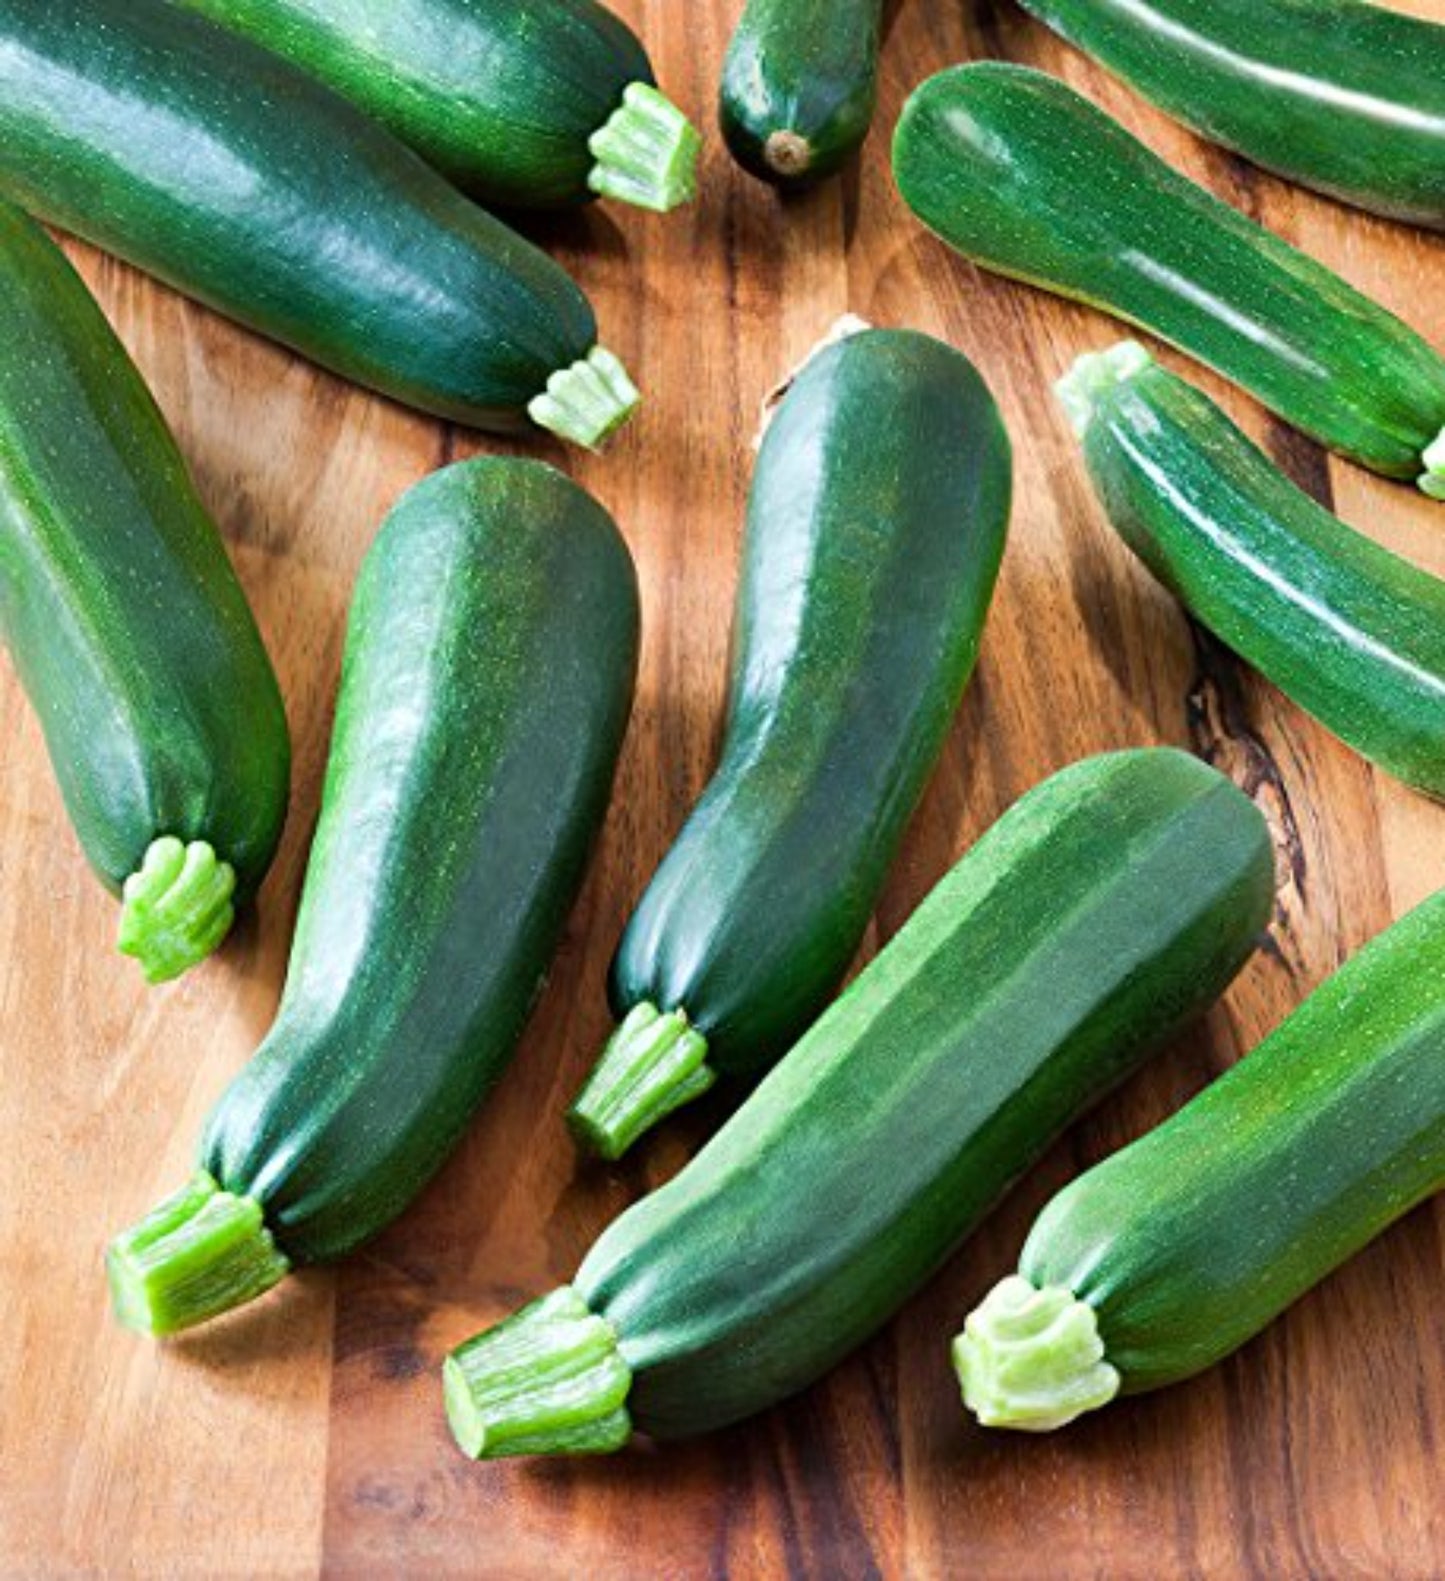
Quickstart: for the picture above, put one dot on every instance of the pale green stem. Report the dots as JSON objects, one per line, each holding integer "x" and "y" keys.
{"x": 1094, "y": 375}
{"x": 176, "y": 907}
{"x": 646, "y": 152}
{"x": 588, "y": 401}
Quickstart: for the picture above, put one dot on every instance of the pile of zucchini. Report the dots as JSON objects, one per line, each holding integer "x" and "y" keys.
{"x": 314, "y": 169}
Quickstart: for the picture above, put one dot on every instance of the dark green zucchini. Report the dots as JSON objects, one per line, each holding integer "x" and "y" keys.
{"x": 238, "y": 179}
{"x": 485, "y": 689}
{"x": 1341, "y": 96}
{"x": 799, "y": 84}
{"x": 875, "y": 526}
{"x": 1354, "y": 634}
{"x": 523, "y": 103}
{"x": 1166, "y": 1257}
{"x": 129, "y": 631}
{"x": 1023, "y": 176}
{"x": 1108, "y": 906}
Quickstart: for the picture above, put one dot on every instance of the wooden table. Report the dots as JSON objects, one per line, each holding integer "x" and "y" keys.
{"x": 306, "y": 1434}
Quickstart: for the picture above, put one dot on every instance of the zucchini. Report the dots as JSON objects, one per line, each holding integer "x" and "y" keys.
{"x": 523, "y": 103}
{"x": 127, "y": 627}
{"x": 799, "y": 85}
{"x": 876, "y": 522}
{"x": 236, "y": 178}
{"x": 1108, "y": 906}
{"x": 1171, "y": 1254}
{"x": 1340, "y": 96}
{"x": 1354, "y": 634}
{"x": 1024, "y": 177}
{"x": 485, "y": 688}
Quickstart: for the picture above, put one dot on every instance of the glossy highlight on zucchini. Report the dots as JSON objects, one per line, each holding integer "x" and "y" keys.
{"x": 1107, "y": 907}
{"x": 126, "y": 625}
{"x": 1026, "y": 178}
{"x": 876, "y": 522}
{"x": 522, "y": 103}
{"x": 1171, "y": 1254}
{"x": 799, "y": 85}
{"x": 1339, "y": 95}
{"x": 486, "y": 684}
{"x": 232, "y": 175}
{"x": 1354, "y": 634}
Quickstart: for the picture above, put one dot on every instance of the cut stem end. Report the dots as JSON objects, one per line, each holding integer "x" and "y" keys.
{"x": 588, "y": 401}
{"x": 1094, "y": 375}
{"x": 646, "y": 152}
{"x": 788, "y": 154}
{"x": 1432, "y": 479}
{"x": 176, "y": 907}
{"x": 653, "y": 1064}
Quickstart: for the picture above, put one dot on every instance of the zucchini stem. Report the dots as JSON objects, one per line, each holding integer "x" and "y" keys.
{"x": 586, "y": 402}
{"x": 1432, "y": 479}
{"x": 200, "y": 1253}
{"x": 646, "y": 152}
{"x": 1094, "y": 375}
{"x": 788, "y": 154}
{"x": 176, "y": 907}
{"x": 549, "y": 1380}
{"x": 1032, "y": 1359}
{"x": 653, "y": 1064}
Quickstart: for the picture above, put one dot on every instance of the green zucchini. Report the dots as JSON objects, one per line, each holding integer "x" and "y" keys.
{"x": 127, "y": 627}
{"x": 1023, "y": 176}
{"x": 1108, "y": 906}
{"x": 523, "y": 103}
{"x": 1354, "y": 634}
{"x": 799, "y": 84}
{"x": 1173, "y": 1253}
{"x": 485, "y": 688}
{"x": 235, "y": 177}
{"x": 1341, "y": 96}
{"x": 876, "y": 523}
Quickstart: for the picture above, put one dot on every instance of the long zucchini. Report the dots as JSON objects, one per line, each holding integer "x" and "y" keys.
{"x": 1339, "y": 95}
{"x": 799, "y": 84}
{"x": 875, "y": 527}
{"x": 1109, "y": 905}
{"x": 485, "y": 688}
{"x": 129, "y": 631}
{"x": 1023, "y": 176}
{"x": 235, "y": 177}
{"x": 1166, "y": 1257}
{"x": 523, "y": 103}
{"x": 1354, "y": 634}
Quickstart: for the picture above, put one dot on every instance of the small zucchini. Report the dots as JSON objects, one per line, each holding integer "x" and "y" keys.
{"x": 1354, "y": 634}
{"x": 1108, "y": 906}
{"x": 230, "y": 174}
{"x": 1170, "y": 1255}
{"x": 1024, "y": 177}
{"x": 1338, "y": 95}
{"x": 485, "y": 688}
{"x": 522, "y": 103}
{"x": 799, "y": 84}
{"x": 127, "y": 627}
{"x": 876, "y": 523}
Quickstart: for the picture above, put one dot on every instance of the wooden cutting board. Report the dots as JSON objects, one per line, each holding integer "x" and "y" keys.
{"x": 306, "y": 1434}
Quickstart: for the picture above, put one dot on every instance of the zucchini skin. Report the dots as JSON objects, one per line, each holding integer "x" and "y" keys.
{"x": 1357, "y": 111}
{"x": 126, "y": 624}
{"x": 1354, "y": 634}
{"x": 1027, "y": 178}
{"x": 231, "y": 175}
{"x": 865, "y": 583}
{"x": 1108, "y": 906}
{"x": 799, "y": 86}
{"x": 490, "y": 657}
{"x": 1195, "y": 1237}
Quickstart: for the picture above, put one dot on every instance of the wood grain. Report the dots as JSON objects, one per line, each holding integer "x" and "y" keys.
{"x": 305, "y": 1435}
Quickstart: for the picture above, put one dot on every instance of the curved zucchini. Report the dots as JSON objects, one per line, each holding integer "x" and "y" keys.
{"x": 1354, "y": 634}
{"x": 1338, "y": 95}
{"x": 236, "y": 178}
{"x": 1166, "y": 1257}
{"x": 876, "y": 523}
{"x": 485, "y": 688}
{"x": 799, "y": 84}
{"x": 1023, "y": 176}
{"x": 1108, "y": 906}
{"x": 128, "y": 629}
{"x": 523, "y": 103}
